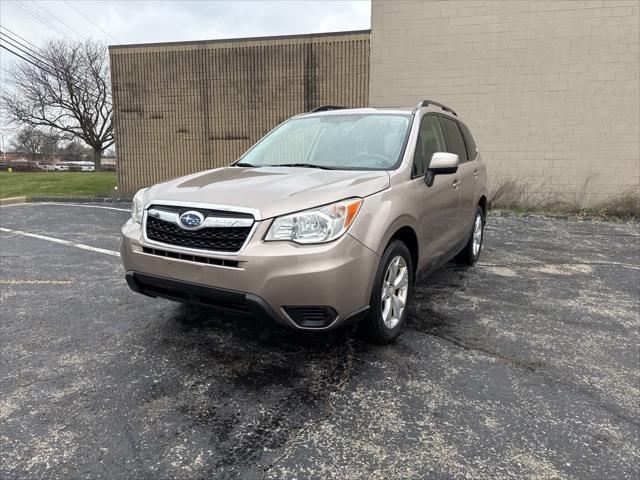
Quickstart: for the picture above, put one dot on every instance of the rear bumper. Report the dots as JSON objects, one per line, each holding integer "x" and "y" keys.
{"x": 315, "y": 287}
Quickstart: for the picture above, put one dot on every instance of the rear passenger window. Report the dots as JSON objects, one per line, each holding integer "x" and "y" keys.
{"x": 430, "y": 141}
{"x": 468, "y": 139}
{"x": 455, "y": 142}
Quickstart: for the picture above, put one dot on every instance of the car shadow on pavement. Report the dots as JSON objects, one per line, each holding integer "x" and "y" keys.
{"x": 250, "y": 383}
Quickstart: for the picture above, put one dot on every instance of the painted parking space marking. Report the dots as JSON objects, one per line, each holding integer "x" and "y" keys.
{"x": 66, "y": 204}
{"x": 61, "y": 242}
{"x": 534, "y": 265}
{"x": 36, "y": 282}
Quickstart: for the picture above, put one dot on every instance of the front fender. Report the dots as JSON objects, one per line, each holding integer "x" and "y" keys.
{"x": 381, "y": 219}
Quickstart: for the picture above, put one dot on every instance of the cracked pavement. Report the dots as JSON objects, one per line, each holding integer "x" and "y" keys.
{"x": 525, "y": 366}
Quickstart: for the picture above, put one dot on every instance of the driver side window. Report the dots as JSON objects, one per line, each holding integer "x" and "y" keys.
{"x": 430, "y": 140}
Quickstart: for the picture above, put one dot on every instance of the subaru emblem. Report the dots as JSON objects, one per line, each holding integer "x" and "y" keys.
{"x": 191, "y": 220}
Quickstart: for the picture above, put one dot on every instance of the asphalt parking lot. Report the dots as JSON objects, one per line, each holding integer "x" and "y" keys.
{"x": 526, "y": 366}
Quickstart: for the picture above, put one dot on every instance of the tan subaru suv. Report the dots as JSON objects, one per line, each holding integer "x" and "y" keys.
{"x": 327, "y": 220}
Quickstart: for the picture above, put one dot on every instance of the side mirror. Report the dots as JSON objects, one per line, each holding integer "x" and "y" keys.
{"x": 442, "y": 163}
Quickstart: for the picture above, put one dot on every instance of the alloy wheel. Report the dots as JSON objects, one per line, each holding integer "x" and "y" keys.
{"x": 395, "y": 289}
{"x": 477, "y": 235}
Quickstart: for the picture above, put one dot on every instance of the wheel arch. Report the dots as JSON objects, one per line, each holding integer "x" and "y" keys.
{"x": 407, "y": 235}
{"x": 483, "y": 204}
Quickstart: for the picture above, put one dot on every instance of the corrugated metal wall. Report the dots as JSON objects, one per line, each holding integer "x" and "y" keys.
{"x": 181, "y": 108}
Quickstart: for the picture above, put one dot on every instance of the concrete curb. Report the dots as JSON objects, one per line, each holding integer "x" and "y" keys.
{"x": 77, "y": 199}
{"x": 12, "y": 200}
{"x": 562, "y": 216}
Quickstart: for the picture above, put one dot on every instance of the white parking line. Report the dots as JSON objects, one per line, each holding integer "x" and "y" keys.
{"x": 62, "y": 242}
{"x": 86, "y": 206}
{"x": 65, "y": 204}
{"x": 557, "y": 264}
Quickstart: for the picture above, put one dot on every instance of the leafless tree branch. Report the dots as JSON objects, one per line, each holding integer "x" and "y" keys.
{"x": 71, "y": 95}
{"x": 35, "y": 143}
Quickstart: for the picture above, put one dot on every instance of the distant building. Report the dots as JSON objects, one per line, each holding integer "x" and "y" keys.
{"x": 14, "y": 156}
{"x": 188, "y": 106}
{"x": 22, "y": 156}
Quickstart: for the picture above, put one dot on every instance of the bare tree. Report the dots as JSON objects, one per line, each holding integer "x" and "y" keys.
{"x": 35, "y": 143}
{"x": 68, "y": 91}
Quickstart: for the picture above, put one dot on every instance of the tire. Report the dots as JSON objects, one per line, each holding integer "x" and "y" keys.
{"x": 469, "y": 254}
{"x": 383, "y": 324}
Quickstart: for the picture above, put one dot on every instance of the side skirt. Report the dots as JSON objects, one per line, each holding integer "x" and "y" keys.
{"x": 441, "y": 260}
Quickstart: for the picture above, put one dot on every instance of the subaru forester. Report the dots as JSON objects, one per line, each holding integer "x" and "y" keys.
{"x": 325, "y": 221}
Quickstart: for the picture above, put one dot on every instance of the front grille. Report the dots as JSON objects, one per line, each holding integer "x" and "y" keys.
{"x": 204, "y": 211}
{"x": 220, "y": 239}
{"x": 191, "y": 258}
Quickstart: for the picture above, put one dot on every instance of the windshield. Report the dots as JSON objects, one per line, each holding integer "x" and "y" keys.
{"x": 360, "y": 142}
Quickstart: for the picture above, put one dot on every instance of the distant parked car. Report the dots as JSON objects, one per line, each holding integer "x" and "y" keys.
{"x": 3, "y": 166}
{"x": 60, "y": 168}
{"x": 24, "y": 166}
{"x": 46, "y": 167}
{"x": 80, "y": 166}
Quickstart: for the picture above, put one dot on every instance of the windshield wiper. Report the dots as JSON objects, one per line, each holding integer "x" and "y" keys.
{"x": 242, "y": 164}
{"x": 304, "y": 165}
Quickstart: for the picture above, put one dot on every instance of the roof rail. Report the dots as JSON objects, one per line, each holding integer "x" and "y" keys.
{"x": 326, "y": 108}
{"x": 426, "y": 103}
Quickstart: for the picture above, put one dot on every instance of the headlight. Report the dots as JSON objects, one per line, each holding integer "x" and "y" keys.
{"x": 137, "y": 208}
{"x": 317, "y": 225}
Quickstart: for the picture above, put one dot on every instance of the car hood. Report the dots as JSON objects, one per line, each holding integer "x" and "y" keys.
{"x": 272, "y": 191}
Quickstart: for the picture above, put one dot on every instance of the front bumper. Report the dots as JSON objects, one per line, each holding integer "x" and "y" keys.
{"x": 264, "y": 278}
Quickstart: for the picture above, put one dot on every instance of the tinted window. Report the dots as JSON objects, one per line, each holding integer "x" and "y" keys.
{"x": 455, "y": 142}
{"x": 430, "y": 140}
{"x": 468, "y": 139}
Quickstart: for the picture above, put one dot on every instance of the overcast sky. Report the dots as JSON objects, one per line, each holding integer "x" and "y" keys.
{"x": 165, "y": 21}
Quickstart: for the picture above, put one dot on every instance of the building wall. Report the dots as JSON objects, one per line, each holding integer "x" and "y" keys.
{"x": 190, "y": 106}
{"x": 549, "y": 88}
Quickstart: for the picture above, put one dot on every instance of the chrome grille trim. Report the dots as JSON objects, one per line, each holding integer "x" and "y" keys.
{"x": 209, "y": 222}
{"x": 206, "y": 206}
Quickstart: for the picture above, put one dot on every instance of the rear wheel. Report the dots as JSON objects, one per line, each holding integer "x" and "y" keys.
{"x": 471, "y": 252}
{"x": 391, "y": 294}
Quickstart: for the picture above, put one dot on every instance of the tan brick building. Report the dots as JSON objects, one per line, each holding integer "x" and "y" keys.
{"x": 189, "y": 106}
{"x": 549, "y": 88}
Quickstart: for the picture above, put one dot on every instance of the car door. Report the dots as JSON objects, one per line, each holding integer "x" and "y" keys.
{"x": 455, "y": 144}
{"x": 469, "y": 180}
{"x": 439, "y": 203}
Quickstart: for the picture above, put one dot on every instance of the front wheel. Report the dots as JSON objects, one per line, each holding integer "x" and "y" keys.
{"x": 391, "y": 294}
{"x": 471, "y": 252}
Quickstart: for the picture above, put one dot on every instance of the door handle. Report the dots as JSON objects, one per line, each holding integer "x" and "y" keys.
{"x": 455, "y": 184}
{"x": 476, "y": 174}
